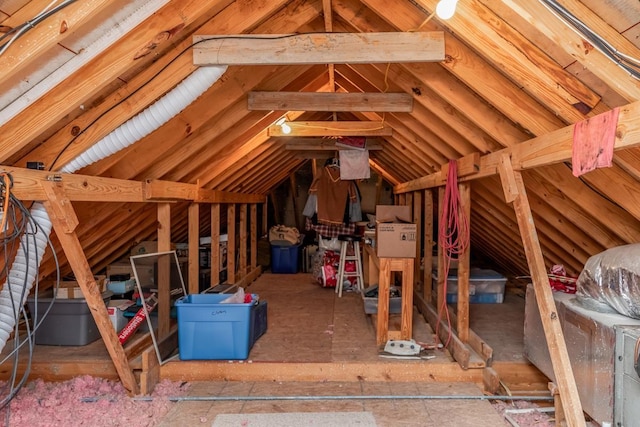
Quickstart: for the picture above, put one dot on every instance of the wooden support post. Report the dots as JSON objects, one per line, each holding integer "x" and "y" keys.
{"x": 194, "y": 248}
{"x": 164, "y": 269}
{"x": 440, "y": 293}
{"x": 417, "y": 218}
{"x": 428, "y": 246}
{"x": 242, "y": 259}
{"x": 254, "y": 235}
{"x": 294, "y": 198}
{"x": 378, "y": 189}
{"x": 546, "y": 304}
{"x": 215, "y": 244}
{"x": 231, "y": 243}
{"x": 265, "y": 220}
{"x": 63, "y": 217}
{"x": 463, "y": 267}
{"x": 557, "y": 405}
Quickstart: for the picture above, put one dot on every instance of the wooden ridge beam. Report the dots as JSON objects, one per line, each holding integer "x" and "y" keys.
{"x": 319, "y": 48}
{"x": 554, "y": 147}
{"x": 330, "y": 101}
{"x": 327, "y": 144}
{"x": 346, "y": 128}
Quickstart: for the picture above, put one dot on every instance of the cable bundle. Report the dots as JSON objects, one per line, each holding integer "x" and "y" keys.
{"x": 17, "y": 223}
{"x": 453, "y": 235}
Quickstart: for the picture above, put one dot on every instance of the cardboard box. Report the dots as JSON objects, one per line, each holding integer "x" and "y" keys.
{"x": 71, "y": 289}
{"x": 123, "y": 267}
{"x": 395, "y": 234}
{"x": 396, "y": 240}
{"x": 393, "y": 213}
{"x": 116, "y": 310}
{"x": 148, "y": 247}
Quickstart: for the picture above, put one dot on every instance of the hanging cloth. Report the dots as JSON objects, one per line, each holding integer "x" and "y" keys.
{"x": 332, "y": 194}
{"x": 354, "y": 164}
{"x": 593, "y": 141}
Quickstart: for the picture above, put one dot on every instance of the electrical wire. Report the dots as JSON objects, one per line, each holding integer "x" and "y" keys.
{"x": 175, "y": 58}
{"x": 628, "y": 63}
{"x": 453, "y": 237}
{"x": 23, "y": 28}
{"x": 18, "y": 221}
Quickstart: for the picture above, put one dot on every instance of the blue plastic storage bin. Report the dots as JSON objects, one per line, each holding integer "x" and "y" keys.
{"x": 208, "y": 330}
{"x": 284, "y": 258}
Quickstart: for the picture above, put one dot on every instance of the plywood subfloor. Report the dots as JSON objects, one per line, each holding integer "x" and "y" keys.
{"x": 386, "y": 411}
{"x": 309, "y": 325}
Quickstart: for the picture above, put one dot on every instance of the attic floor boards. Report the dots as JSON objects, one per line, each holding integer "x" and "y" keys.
{"x": 314, "y": 336}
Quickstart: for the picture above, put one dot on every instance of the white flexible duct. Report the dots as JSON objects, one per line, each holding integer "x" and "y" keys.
{"x": 26, "y": 264}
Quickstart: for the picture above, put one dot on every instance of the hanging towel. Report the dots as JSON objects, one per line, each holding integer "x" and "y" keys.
{"x": 593, "y": 141}
{"x": 354, "y": 164}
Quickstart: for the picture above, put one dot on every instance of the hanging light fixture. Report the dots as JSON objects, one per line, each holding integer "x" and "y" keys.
{"x": 286, "y": 129}
{"x": 446, "y": 8}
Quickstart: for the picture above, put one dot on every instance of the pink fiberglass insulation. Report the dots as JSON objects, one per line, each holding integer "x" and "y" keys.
{"x": 529, "y": 419}
{"x": 88, "y": 401}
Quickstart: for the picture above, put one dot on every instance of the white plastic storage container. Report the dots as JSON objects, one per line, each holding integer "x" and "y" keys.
{"x": 485, "y": 286}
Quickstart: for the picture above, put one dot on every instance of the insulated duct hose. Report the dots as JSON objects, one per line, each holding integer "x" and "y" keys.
{"x": 27, "y": 261}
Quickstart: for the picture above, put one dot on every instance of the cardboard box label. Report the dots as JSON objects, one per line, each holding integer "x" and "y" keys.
{"x": 395, "y": 240}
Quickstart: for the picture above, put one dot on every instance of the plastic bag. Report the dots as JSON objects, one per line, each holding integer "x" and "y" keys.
{"x": 239, "y": 297}
{"x": 329, "y": 244}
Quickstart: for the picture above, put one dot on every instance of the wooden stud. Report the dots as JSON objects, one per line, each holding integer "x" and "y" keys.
{"x": 242, "y": 258}
{"x": 215, "y": 244}
{"x": 194, "y": 248}
{"x": 253, "y": 224}
{"x": 440, "y": 288}
{"x": 417, "y": 218}
{"x": 463, "y": 265}
{"x": 231, "y": 243}
{"x": 164, "y": 269}
{"x": 427, "y": 271}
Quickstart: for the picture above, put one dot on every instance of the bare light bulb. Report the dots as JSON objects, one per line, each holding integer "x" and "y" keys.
{"x": 446, "y": 8}
{"x": 286, "y": 129}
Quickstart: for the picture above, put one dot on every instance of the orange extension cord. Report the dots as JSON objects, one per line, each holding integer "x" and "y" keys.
{"x": 453, "y": 236}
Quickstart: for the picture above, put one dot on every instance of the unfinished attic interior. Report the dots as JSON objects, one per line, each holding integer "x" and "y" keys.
{"x": 505, "y": 137}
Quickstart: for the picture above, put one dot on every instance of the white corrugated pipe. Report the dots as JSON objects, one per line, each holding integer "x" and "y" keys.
{"x": 26, "y": 264}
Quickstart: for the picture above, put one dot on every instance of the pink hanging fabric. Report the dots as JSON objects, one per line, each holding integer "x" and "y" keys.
{"x": 354, "y": 164}
{"x": 593, "y": 141}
